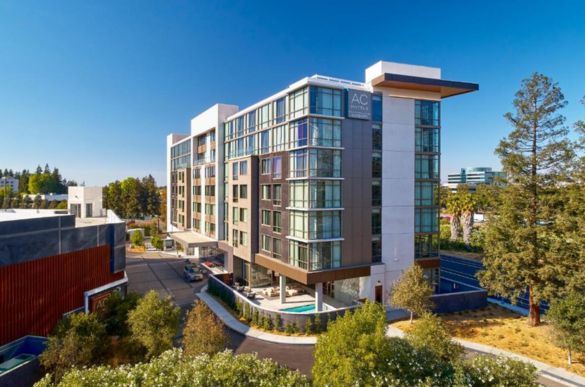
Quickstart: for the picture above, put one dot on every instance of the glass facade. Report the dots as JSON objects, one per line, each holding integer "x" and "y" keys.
{"x": 427, "y": 178}
{"x": 376, "y": 178}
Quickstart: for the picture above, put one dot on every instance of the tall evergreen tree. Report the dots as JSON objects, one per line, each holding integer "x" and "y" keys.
{"x": 535, "y": 155}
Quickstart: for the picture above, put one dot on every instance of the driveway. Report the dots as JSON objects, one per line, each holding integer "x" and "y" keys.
{"x": 165, "y": 275}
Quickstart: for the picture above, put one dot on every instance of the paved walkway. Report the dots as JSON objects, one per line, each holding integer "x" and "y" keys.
{"x": 554, "y": 373}
{"x": 231, "y": 322}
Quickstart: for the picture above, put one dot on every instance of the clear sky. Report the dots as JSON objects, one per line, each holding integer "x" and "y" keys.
{"x": 94, "y": 86}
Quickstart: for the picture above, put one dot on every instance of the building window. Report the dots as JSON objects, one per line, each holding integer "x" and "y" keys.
{"x": 324, "y": 163}
{"x": 266, "y": 166}
{"x": 235, "y": 215}
{"x": 426, "y": 193}
{"x": 276, "y": 222}
{"x": 298, "y": 163}
{"x": 209, "y": 209}
{"x": 265, "y": 217}
{"x": 427, "y": 166}
{"x": 209, "y": 190}
{"x": 265, "y": 243}
{"x": 196, "y": 173}
{"x": 377, "y": 164}
{"x": 426, "y": 220}
{"x": 376, "y": 193}
{"x": 280, "y": 115}
{"x": 315, "y": 225}
{"x": 426, "y": 246}
{"x": 210, "y": 171}
{"x": 264, "y": 142}
{"x": 298, "y": 133}
{"x": 325, "y": 132}
{"x": 210, "y": 228}
{"x": 252, "y": 121}
{"x": 276, "y": 194}
{"x": 243, "y": 215}
{"x": 315, "y": 194}
{"x": 235, "y": 190}
{"x": 265, "y": 192}
{"x": 376, "y": 221}
{"x": 376, "y": 137}
{"x": 264, "y": 116}
{"x": 244, "y": 167}
{"x": 297, "y": 254}
{"x": 235, "y": 238}
{"x": 276, "y": 248}
{"x": 427, "y": 139}
{"x": 298, "y": 103}
{"x": 277, "y": 167}
{"x": 243, "y": 238}
{"x": 235, "y": 169}
{"x": 376, "y": 249}
{"x": 376, "y": 107}
{"x": 427, "y": 113}
{"x": 325, "y": 101}
{"x": 243, "y": 191}
{"x": 324, "y": 255}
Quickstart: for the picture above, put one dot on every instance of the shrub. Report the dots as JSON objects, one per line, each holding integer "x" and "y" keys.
{"x": 173, "y": 368}
{"x": 317, "y": 323}
{"x": 266, "y": 322}
{"x": 429, "y": 333}
{"x": 136, "y": 238}
{"x": 487, "y": 371}
{"x": 288, "y": 328}
{"x": 278, "y": 322}
{"x": 255, "y": 317}
{"x": 308, "y": 326}
{"x": 156, "y": 242}
{"x": 78, "y": 340}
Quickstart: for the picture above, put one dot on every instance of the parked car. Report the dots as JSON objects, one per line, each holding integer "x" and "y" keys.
{"x": 192, "y": 273}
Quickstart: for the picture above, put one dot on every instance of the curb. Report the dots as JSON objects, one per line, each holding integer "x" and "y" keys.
{"x": 554, "y": 373}
{"x": 231, "y": 322}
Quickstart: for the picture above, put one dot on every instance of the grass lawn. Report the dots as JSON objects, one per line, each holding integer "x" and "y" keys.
{"x": 509, "y": 331}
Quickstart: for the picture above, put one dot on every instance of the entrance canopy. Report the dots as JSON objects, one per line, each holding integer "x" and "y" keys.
{"x": 191, "y": 239}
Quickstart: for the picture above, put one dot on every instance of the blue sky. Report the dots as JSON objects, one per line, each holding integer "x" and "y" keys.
{"x": 93, "y": 87}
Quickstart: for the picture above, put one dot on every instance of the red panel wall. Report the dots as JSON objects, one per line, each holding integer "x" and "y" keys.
{"x": 35, "y": 294}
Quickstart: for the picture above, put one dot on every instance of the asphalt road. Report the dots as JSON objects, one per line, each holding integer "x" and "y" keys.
{"x": 153, "y": 271}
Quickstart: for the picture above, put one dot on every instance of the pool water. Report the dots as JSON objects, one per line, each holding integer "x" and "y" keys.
{"x": 300, "y": 309}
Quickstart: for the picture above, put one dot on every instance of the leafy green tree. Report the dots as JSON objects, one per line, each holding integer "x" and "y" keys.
{"x": 154, "y": 323}
{"x": 131, "y": 197}
{"x": 173, "y": 368}
{"x": 535, "y": 156}
{"x": 137, "y": 239}
{"x": 429, "y": 333}
{"x": 78, "y": 340}
{"x": 113, "y": 312}
{"x": 351, "y": 349}
{"x": 151, "y": 198}
{"x": 567, "y": 316}
{"x": 412, "y": 292}
{"x": 203, "y": 332}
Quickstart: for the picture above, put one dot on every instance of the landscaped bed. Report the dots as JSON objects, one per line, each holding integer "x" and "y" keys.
{"x": 509, "y": 331}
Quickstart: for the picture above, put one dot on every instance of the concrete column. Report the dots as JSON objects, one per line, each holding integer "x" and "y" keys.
{"x": 319, "y": 296}
{"x": 282, "y": 280}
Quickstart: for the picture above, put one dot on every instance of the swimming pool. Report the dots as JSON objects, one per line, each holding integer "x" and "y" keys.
{"x": 300, "y": 309}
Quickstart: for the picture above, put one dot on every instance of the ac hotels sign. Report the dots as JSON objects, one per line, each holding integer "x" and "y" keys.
{"x": 359, "y": 104}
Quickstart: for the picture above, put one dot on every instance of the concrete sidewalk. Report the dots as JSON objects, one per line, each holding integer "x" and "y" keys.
{"x": 231, "y": 322}
{"x": 554, "y": 373}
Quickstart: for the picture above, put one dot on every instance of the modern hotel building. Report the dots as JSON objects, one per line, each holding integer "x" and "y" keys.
{"x": 329, "y": 183}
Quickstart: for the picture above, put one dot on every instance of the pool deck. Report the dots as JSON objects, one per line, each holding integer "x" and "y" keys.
{"x": 231, "y": 322}
{"x": 273, "y": 303}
